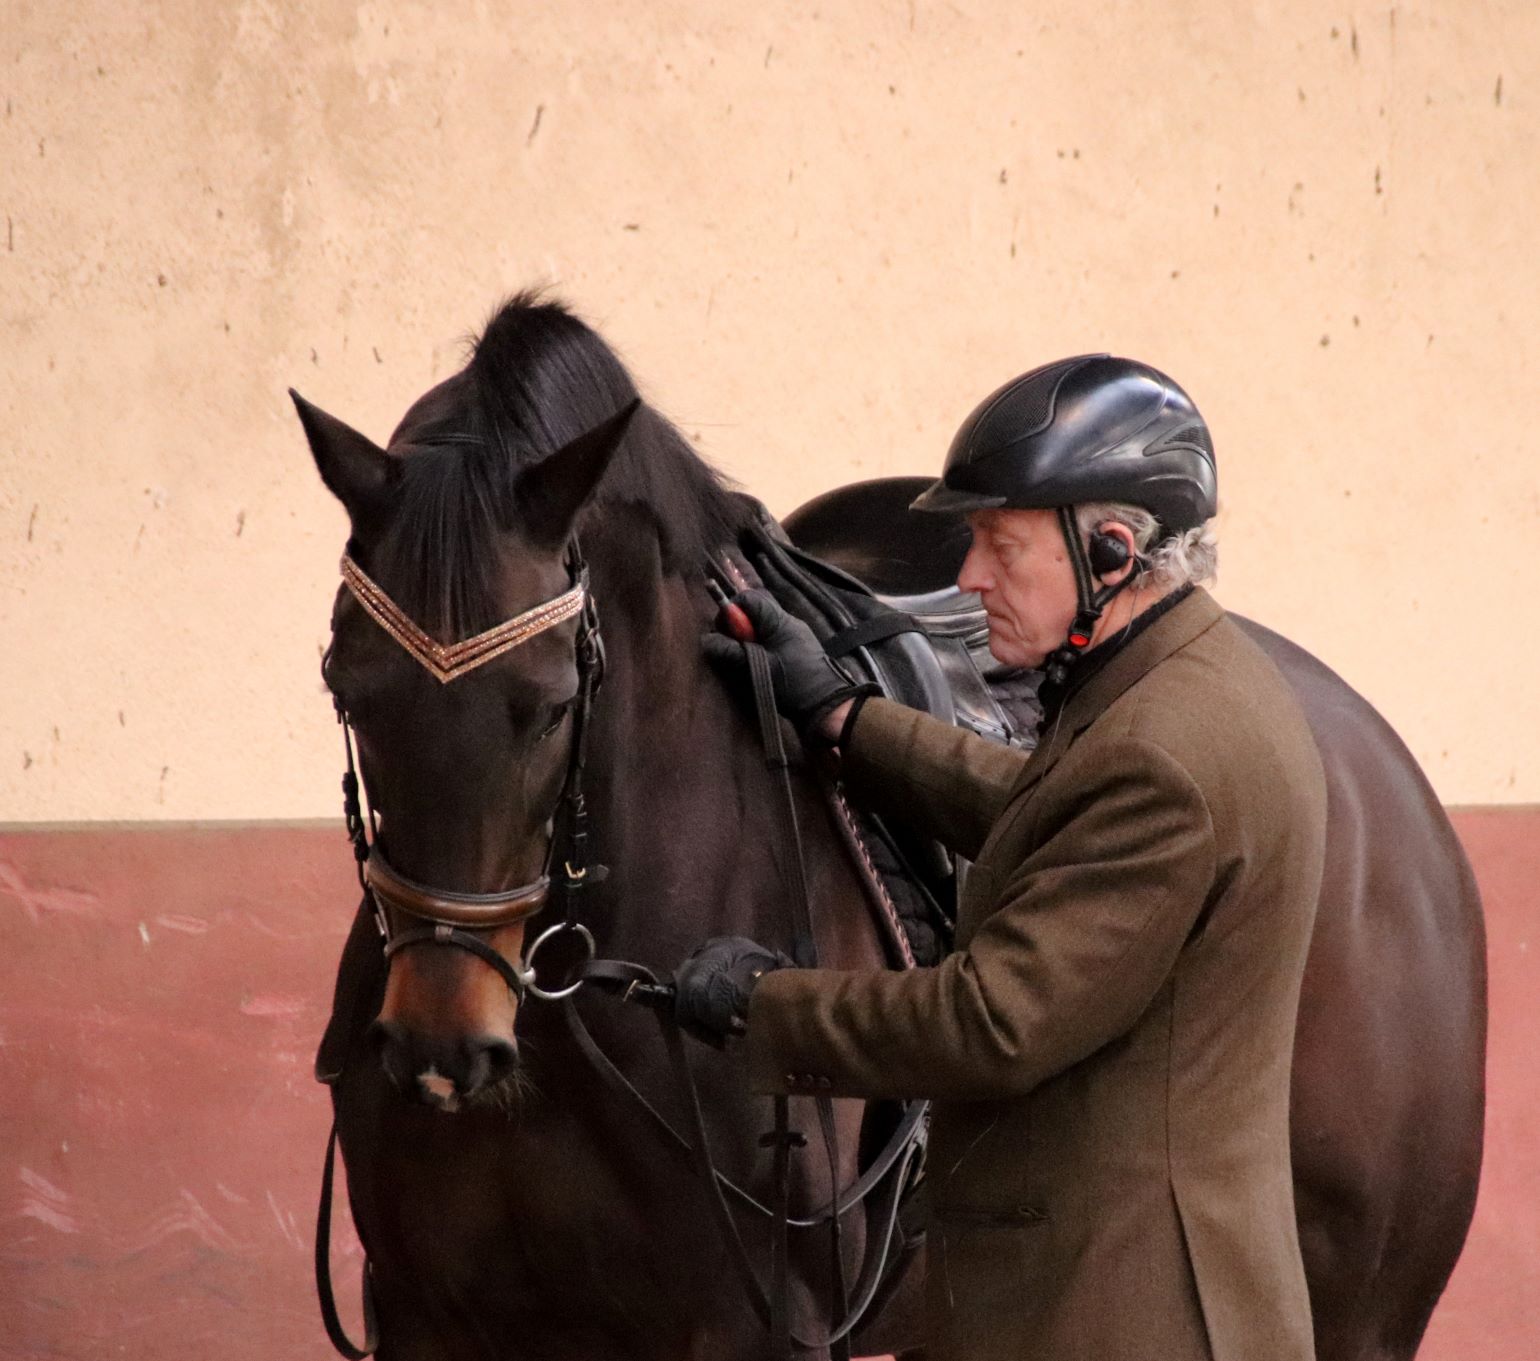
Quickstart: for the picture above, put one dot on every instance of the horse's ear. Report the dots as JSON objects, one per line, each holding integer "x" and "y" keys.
{"x": 358, "y": 472}
{"x": 551, "y": 493}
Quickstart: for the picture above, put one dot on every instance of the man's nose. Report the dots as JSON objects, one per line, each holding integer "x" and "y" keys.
{"x": 973, "y": 575}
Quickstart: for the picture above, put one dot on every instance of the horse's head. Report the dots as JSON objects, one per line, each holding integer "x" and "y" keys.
{"x": 457, "y": 658}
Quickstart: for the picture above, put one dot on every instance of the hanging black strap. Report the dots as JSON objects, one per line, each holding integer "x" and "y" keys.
{"x": 779, "y": 1140}
{"x": 868, "y": 631}
{"x": 804, "y": 949}
{"x": 635, "y": 982}
{"x": 323, "y": 1272}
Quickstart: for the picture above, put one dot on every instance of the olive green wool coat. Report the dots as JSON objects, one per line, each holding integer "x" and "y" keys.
{"x": 1109, "y": 1048}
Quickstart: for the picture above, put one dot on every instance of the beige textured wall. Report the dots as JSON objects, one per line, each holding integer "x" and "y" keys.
{"x": 819, "y": 233}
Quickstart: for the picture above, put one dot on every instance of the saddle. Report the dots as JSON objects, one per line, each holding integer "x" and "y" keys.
{"x": 875, "y": 584}
{"x": 908, "y": 562}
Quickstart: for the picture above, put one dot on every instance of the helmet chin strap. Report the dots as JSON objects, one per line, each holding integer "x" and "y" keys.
{"x": 1092, "y": 602}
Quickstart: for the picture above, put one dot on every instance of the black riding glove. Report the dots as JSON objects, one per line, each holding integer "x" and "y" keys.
{"x": 712, "y": 986}
{"x": 808, "y": 682}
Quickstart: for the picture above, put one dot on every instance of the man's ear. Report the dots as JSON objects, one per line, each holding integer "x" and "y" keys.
{"x": 1112, "y": 552}
{"x": 551, "y": 493}
{"x": 359, "y": 473}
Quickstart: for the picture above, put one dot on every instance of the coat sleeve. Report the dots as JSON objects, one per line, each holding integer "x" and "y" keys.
{"x": 943, "y": 782}
{"x": 1085, "y": 929}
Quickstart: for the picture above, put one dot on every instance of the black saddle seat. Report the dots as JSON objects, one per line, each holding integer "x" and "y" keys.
{"x": 868, "y": 530}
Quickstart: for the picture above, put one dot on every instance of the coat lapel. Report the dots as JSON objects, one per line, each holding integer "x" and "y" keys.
{"x": 1172, "y": 631}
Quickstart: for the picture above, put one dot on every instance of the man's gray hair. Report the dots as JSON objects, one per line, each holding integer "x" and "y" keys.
{"x": 1191, "y": 557}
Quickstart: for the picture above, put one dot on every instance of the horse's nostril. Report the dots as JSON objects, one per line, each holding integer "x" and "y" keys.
{"x": 383, "y": 1035}
{"x": 387, "y": 1041}
{"x": 489, "y": 1060}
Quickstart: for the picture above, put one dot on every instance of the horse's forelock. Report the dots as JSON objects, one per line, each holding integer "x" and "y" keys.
{"x": 538, "y": 377}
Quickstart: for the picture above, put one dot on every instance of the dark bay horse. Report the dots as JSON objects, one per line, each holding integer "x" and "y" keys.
{"x": 544, "y": 1216}
{"x": 510, "y": 1203}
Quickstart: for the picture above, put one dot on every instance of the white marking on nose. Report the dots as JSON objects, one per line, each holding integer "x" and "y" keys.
{"x": 439, "y": 1088}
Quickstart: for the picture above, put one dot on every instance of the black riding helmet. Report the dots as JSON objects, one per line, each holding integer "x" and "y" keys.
{"x": 1091, "y": 428}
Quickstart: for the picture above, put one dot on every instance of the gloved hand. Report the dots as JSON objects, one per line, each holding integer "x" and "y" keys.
{"x": 808, "y": 682}
{"x": 712, "y": 986}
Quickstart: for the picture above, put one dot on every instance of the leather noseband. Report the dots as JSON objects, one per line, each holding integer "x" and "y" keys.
{"x": 481, "y": 911}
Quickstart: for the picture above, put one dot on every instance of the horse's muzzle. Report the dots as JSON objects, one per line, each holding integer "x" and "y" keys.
{"x": 444, "y": 1075}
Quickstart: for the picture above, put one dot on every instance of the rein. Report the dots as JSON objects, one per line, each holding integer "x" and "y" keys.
{"x": 450, "y": 918}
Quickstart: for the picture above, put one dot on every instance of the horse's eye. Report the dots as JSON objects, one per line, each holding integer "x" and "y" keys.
{"x": 557, "y": 715}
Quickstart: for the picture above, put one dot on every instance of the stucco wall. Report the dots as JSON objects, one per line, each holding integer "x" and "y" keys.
{"x": 819, "y": 233}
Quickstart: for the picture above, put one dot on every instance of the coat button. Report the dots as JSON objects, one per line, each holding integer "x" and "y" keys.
{"x": 824, "y": 1084}
{"x": 791, "y": 1079}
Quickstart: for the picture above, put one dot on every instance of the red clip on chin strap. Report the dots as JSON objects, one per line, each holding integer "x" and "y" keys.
{"x": 1092, "y": 601}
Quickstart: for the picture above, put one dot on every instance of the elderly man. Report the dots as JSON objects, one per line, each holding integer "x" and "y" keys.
{"x": 1109, "y": 1047}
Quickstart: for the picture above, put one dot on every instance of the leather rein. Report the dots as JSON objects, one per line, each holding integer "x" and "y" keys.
{"x": 451, "y": 918}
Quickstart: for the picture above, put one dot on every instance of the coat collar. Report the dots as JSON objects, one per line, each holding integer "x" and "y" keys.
{"x": 1172, "y": 631}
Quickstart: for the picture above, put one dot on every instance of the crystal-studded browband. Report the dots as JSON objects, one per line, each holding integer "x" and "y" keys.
{"x": 450, "y": 661}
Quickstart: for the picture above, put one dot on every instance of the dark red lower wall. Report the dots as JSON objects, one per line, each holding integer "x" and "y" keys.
{"x": 161, "y": 993}
{"x": 1489, "y": 1312}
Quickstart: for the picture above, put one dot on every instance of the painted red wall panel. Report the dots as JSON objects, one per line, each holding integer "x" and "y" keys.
{"x": 1491, "y": 1311}
{"x": 161, "y": 994}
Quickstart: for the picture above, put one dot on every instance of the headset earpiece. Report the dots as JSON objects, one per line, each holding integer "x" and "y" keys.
{"x": 1107, "y": 554}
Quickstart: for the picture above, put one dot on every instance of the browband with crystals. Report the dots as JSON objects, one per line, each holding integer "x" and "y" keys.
{"x": 449, "y": 661}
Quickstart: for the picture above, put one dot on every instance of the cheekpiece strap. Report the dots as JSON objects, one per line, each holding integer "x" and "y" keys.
{"x": 450, "y": 661}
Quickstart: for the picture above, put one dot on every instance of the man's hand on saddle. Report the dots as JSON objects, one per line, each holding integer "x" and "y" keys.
{"x": 712, "y": 987}
{"x": 811, "y": 688}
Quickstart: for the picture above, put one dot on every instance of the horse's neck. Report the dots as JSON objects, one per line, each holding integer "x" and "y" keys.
{"x": 686, "y": 806}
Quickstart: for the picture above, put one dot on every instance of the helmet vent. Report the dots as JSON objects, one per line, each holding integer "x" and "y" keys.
{"x": 1031, "y": 399}
{"x": 1193, "y": 436}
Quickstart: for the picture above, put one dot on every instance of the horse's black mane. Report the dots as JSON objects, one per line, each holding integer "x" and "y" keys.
{"x": 538, "y": 378}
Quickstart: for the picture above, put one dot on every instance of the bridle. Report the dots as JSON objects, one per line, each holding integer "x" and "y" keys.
{"x": 454, "y": 918}
{"x": 449, "y": 917}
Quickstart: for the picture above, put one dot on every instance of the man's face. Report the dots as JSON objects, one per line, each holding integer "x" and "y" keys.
{"x": 1019, "y": 567}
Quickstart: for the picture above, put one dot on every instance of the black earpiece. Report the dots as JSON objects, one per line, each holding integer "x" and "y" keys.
{"x": 1107, "y": 554}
